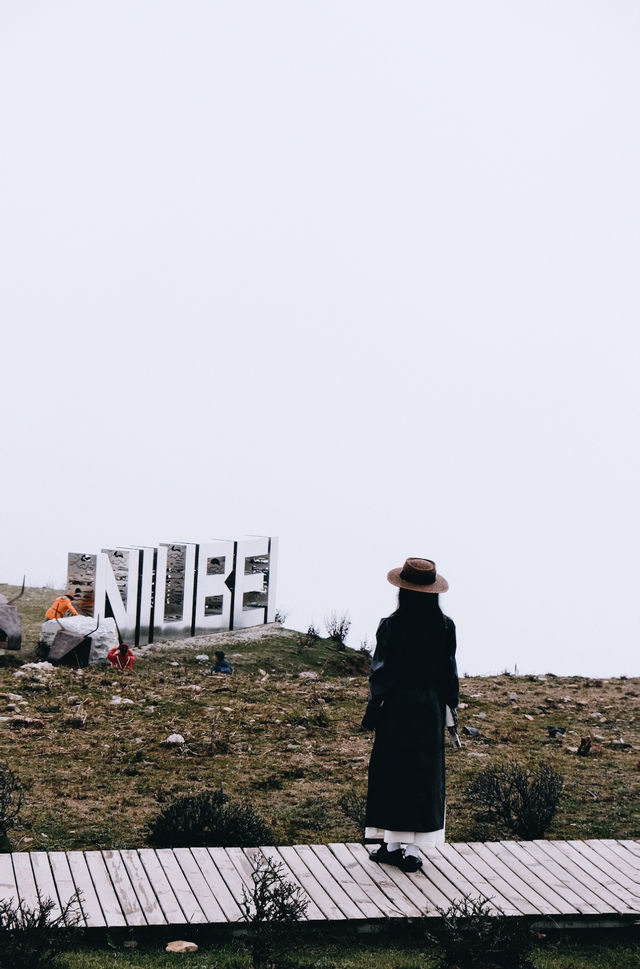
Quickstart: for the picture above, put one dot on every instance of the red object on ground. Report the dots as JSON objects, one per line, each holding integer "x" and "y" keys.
{"x": 120, "y": 660}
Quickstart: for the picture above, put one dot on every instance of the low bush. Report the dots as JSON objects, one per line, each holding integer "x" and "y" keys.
{"x": 31, "y": 938}
{"x": 522, "y": 800}
{"x": 472, "y": 938}
{"x": 210, "y": 819}
{"x": 310, "y": 638}
{"x": 272, "y": 904}
{"x": 353, "y": 805}
{"x": 338, "y": 628}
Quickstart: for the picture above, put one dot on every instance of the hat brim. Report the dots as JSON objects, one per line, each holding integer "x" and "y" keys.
{"x": 440, "y": 585}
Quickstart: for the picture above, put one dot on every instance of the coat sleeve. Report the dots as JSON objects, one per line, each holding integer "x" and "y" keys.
{"x": 451, "y": 684}
{"x": 378, "y": 680}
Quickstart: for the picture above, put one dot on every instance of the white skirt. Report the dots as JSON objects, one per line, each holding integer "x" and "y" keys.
{"x": 422, "y": 839}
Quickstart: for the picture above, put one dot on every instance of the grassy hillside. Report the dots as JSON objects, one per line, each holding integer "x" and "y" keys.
{"x": 283, "y": 733}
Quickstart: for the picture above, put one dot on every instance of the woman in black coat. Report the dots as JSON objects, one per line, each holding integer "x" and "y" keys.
{"x": 413, "y": 696}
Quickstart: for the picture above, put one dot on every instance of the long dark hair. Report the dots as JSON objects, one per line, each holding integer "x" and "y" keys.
{"x": 419, "y": 618}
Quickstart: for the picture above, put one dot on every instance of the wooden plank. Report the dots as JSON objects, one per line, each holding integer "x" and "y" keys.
{"x": 8, "y": 887}
{"x": 620, "y": 859}
{"x": 142, "y": 887}
{"x": 495, "y": 871}
{"x": 630, "y": 845}
{"x": 575, "y": 865}
{"x": 444, "y": 888}
{"x": 199, "y": 885}
{"x": 583, "y": 898}
{"x": 25, "y": 882}
{"x": 104, "y": 889}
{"x": 161, "y": 887}
{"x": 229, "y": 872}
{"x": 331, "y": 886}
{"x": 243, "y": 861}
{"x": 123, "y": 888}
{"x": 180, "y": 886}
{"x": 313, "y": 913}
{"x": 632, "y": 858}
{"x": 347, "y": 883}
{"x": 217, "y": 884}
{"x": 538, "y": 893}
{"x": 429, "y": 898}
{"x": 315, "y": 891}
{"x": 625, "y": 887}
{"x": 479, "y": 886}
{"x": 445, "y": 877}
{"x": 540, "y": 880}
{"x": 89, "y": 900}
{"x": 379, "y": 899}
{"x": 65, "y": 884}
{"x": 383, "y": 877}
{"x": 45, "y": 881}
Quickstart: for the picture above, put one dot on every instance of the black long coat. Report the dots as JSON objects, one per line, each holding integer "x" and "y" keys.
{"x": 412, "y": 679}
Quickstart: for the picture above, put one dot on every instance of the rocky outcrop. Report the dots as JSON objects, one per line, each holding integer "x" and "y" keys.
{"x": 103, "y": 639}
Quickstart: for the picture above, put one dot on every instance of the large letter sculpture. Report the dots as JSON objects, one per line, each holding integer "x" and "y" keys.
{"x": 177, "y": 590}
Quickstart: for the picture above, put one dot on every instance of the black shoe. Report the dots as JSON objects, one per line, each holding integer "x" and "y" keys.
{"x": 383, "y": 856}
{"x": 411, "y": 863}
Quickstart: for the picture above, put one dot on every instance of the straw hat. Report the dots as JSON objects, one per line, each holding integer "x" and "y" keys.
{"x": 419, "y": 575}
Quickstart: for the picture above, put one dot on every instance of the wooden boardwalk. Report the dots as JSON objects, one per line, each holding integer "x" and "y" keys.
{"x": 564, "y": 883}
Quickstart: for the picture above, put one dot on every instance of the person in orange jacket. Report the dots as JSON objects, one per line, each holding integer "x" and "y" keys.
{"x": 121, "y": 657}
{"x": 62, "y": 606}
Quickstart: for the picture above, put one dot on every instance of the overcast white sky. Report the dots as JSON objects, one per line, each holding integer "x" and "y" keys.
{"x": 362, "y": 275}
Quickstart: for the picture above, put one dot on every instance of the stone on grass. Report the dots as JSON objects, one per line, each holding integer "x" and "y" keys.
{"x": 103, "y": 639}
{"x": 181, "y": 946}
{"x": 202, "y": 658}
{"x": 174, "y": 738}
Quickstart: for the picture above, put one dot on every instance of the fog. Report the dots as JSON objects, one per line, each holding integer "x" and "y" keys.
{"x": 359, "y": 275}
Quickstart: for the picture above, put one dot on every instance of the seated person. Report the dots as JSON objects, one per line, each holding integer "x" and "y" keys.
{"x": 121, "y": 657}
{"x": 62, "y": 606}
{"x": 220, "y": 664}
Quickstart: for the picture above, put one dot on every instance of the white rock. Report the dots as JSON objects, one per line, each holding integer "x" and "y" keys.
{"x": 174, "y": 738}
{"x": 14, "y": 697}
{"x": 308, "y": 675}
{"x": 102, "y": 640}
{"x": 115, "y": 700}
{"x": 181, "y": 946}
{"x": 36, "y": 671}
{"x": 202, "y": 658}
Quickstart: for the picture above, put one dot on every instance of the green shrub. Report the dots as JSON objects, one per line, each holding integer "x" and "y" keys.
{"x": 353, "y": 805}
{"x": 210, "y": 819}
{"x": 272, "y": 904}
{"x": 30, "y": 938}
{"x": 472, "y": 938}
{"x": 338, "y": 628}
{"x": 310, "y": 638}
{"x": 522, "y": 800}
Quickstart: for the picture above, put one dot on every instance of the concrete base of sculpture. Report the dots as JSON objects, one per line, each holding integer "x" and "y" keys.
{"x": 103, "y": 639}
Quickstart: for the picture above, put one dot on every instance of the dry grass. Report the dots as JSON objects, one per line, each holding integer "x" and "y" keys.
{"x": 96, "y": 772}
